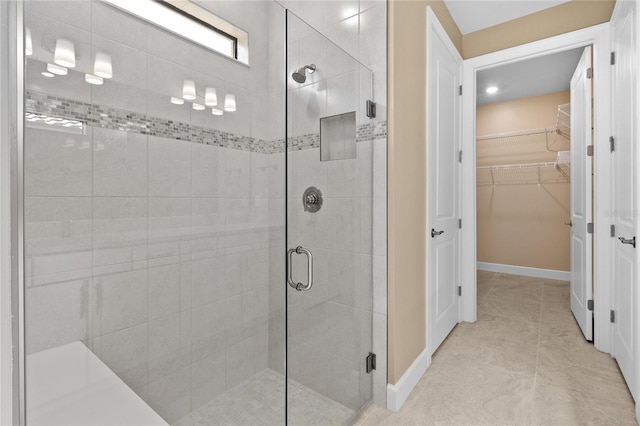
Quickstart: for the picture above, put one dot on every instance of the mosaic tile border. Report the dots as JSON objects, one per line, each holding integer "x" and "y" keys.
{"x": 118, "y": 119}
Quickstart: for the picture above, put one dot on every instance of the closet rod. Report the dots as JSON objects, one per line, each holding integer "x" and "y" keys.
{"x": 518, "y": 166}
{"x": 519, "y": 133}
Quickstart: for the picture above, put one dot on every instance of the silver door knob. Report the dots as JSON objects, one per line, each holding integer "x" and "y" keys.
{"x": 434, "y": 232}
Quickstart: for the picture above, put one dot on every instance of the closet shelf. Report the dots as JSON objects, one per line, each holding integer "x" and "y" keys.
{"x": 563, "y": 123}
{"x": 523, "y": 174}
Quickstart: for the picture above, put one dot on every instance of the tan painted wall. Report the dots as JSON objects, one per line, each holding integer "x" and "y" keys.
{"x": 561, "y": 19}
{"x": 522, "y": 225}
{"x": 406, "y": 153}
{"x": 406, "y": 130}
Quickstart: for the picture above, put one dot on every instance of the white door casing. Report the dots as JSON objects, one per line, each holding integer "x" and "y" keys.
{"x": 624, "y": 190}
{"x": 581, "y": 203}
{"x": 597, "y": 37}
{"x": 444, "y": 68}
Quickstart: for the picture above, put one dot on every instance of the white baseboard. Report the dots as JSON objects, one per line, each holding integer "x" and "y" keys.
{"x": 397, "y": 394}
{"x": 551, "y": 274}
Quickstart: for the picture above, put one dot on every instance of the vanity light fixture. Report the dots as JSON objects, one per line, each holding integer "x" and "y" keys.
{"x": 65, "y": 53}
{"x": 492, "y": 89}
{"x": 189, "y": 90}
{"x": 93, "y": 79}
{"x": 210, "y": 97}
{"x": 56, "y": 69}
{"x": 230, "y": 102}
{"x": 177, "y": 101}
{"x": 198, "y": 107}
{"x": 102, "y": 65}
{"x": 215, "y": 111}
{"x": 28, "y": 44}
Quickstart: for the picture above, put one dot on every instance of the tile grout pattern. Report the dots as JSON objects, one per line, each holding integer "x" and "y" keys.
{"x": 260, "y": 401}
{"x": 525, "y": 361}
{"x": 51, "y": 109}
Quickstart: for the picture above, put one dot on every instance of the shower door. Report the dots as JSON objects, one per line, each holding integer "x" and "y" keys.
{"x": 329, "y": 229}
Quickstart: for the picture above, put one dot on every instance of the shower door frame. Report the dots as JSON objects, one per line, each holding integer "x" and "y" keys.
{"x": 13, "y": 82}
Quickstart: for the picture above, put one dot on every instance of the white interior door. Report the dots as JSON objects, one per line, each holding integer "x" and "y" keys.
{"x": 443, "y": 181}
{"x": 581, "y": 187}
{"x": 624, "y": 107}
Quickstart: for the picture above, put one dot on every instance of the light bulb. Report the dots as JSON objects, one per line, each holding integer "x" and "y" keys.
{"x": 189, "y": 90}
{"x": 56, "y": 69}
{"x": 28, "y": 44}
{"x": 492, "y": 89}
{"x": 65, "y": 53}
{"x": 210, "y": 97}
{"x": 102, "y": 65}
{"x": 230, "y": 102}
{"x": 93, "y": 79}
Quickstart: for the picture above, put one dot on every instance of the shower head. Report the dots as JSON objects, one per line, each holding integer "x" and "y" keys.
{"x": 300, "y": 76}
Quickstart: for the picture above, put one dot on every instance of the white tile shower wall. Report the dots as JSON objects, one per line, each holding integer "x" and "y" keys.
{"x": 154, "y": 251}
{"x": 359, "y": 28}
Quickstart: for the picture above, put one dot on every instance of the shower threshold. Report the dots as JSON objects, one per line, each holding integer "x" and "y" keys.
{"x": 259, "y": 401}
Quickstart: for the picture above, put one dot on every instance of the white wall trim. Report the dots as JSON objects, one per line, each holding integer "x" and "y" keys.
{"x": 598, "y": 37}
{"x": 552, "y": 274}
{"x": 397, "y": 394}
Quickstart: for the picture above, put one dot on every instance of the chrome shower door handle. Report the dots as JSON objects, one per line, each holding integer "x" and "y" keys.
{"x": 290, "y": 281}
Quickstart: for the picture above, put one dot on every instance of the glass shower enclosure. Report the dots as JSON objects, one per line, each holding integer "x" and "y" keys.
{"x": 197, "y": 227}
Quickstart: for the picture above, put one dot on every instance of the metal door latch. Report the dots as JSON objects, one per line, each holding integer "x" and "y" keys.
{"x": 435, "y": 233}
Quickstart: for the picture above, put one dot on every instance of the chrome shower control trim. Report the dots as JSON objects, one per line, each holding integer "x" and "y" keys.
{"x": 290, "y": 281}
{"x": 312, "y": 199}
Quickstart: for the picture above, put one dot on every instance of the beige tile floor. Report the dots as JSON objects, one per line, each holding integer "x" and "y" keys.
{"x": 524, "y": 361}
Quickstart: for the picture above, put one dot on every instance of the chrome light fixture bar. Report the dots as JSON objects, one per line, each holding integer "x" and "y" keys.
{"x": 167, "y": 18}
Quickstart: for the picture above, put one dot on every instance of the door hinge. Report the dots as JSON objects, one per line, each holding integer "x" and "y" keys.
{"x": 460, "y": 90}
{"x": 459, "y": 223}
{"x": 612, "y": 59}
{"x": 589, "y": 72}
{"x": 612, "y": 144}
{"x": 590, "y": 304}
{"x": 459, "y": 290}
{"x": 370, "y": 362}
{"x": 612, "y": 316}
{"x": 371, "y": 109}
{"x": 613, "y": 230}
{"x": 590, "y": 151}
{"x": 590, "y": 228}
{"x": 460, "y": 156}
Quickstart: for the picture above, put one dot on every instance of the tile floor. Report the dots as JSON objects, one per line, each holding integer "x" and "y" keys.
{"x": 260, "y": 401}
{"x": 524, "y": 361}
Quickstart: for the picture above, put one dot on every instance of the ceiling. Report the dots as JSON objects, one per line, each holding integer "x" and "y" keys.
{"x": 474, "y": 15}
{"x": 531, "y": 77}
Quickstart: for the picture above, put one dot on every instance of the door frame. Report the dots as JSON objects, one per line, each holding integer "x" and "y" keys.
{"x": 599, "y": 37}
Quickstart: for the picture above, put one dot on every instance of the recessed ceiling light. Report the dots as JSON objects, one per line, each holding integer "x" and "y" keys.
{"x": 492, "y": 89}
{"x": 177, "y": 101}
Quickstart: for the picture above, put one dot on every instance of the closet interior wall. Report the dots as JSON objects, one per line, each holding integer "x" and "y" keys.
{"x": 521, "y": 218}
